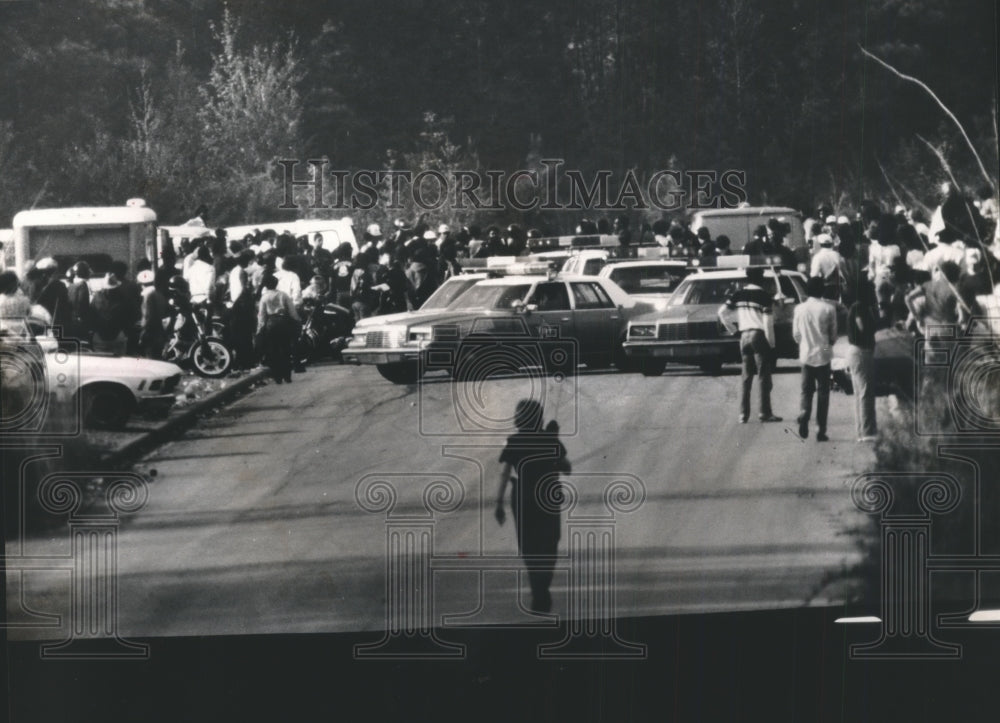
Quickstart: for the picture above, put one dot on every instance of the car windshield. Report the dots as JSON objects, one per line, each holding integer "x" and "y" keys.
{"x": 696, "y": 290}
{"x": 648, "y": 279}
{"x": 491, "y": 297}
{"x": 448, "y": 292}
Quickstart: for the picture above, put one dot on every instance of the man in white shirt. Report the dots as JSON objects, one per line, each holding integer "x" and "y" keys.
{"x": 200, "y": 276}
{"x": 814, "y": 328}
{"x": 828, "y": 265}
{"x": 947, "y": 249}
{"x": 288, "y": 281}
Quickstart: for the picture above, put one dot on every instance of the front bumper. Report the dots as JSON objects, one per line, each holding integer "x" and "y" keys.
{"x": 722, "y": 349}
{"x": 155, "y": 402}
{"x": 379, "y": 356}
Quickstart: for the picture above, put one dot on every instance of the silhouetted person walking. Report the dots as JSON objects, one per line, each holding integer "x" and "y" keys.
{"x": 532, "y": 462}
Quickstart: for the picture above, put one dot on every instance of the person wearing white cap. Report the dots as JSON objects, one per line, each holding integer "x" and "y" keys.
{"x": 54, "y": 296}
{"x": 828, "y": 265}
{"x": 154, "y": 309}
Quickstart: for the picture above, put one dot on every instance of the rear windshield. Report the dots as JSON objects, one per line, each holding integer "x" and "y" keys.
{"x": 491, "y": 297}
{"x": 711, "y": 291}
{"x": 648, "y": 279}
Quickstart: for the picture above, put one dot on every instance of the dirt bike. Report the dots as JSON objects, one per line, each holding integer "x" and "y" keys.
{"x": 209, "y": 356}
{"x": 325, "y": 329}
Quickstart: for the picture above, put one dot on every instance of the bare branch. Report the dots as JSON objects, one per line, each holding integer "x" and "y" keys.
{"x": 910, "y": 78}
{"x": 889, "y": 183}
{"x": 979, "y": 242}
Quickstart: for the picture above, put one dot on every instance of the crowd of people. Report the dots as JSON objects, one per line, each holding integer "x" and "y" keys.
{"x": 885, "y": 269}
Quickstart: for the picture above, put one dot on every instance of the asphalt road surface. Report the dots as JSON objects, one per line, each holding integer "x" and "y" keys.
{"x": 252, "y": 523}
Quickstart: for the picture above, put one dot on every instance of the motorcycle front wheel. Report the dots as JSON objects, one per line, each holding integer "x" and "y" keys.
{"x": 211, "y": 358}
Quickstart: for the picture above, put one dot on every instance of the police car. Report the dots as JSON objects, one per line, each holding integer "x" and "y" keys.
{"x": 377, "y": 339}
{"x": 548, "y": 319}
{"x": 688, "y": 330}
{"x": 106, "y": 389}
{"x": 648, "y": 280}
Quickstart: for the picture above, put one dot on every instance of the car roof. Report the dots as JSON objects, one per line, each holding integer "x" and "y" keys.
{"x": 737, "y": 274}
{"x": 633, "y": 263}
{"x": 748, "y": 211}
{"x": 513, "y": 280}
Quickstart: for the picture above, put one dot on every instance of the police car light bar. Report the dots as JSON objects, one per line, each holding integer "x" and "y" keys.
{"x": 739, "y": 261}
{"x": 573, "y": 242}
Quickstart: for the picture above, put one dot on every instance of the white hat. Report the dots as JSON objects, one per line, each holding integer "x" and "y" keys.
{"x": 348, "y": 220}
{"x": 145, "y": 277}
{"x": 265, "y": 246}
{"x": 46, "y": 264}
{"x": 824, "y": 239}
{"x": 831, "y": 219}
{"x": 843, "y": 221}
{"x": 444, "y": 228}
{"x": 374, "y": 230}
{"x": 430, "y": 235}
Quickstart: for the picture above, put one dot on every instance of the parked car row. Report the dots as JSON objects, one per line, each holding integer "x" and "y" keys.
{"x": 635, "y": 315}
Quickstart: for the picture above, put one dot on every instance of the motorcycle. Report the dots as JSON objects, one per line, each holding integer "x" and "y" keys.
{"x": 325, "y": 329}
{"x": 191, "y": 346}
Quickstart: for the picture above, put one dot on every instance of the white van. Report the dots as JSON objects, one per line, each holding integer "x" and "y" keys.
{"x": 98, "y": 235}
{"x": 335, "y": 231}
{"x": 739, "y": 223}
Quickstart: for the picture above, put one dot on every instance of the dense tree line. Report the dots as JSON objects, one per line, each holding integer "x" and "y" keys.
{"x": 189, "y": 101}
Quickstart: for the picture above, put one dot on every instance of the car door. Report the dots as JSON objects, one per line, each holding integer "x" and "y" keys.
{"x": 783, "y": 315}
{"x": 597, "y": 318}
{"x": 553, "y": 314}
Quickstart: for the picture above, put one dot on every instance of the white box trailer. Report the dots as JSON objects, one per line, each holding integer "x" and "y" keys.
{"x": 335, "y": 231}
{"x": 739, "y": 223}
{"x": 97, "y": 235}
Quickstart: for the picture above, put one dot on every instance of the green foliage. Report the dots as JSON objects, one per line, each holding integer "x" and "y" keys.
{"x": 189, "y": 102}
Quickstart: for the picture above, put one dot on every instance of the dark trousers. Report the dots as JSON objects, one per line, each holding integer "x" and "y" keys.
{"x": 276, "y": 342}
{"x": 241, "y": 327}
{"x": 815, "y": 379}
{"x": 538, "y": 543}
{"x": 757, "y": 360}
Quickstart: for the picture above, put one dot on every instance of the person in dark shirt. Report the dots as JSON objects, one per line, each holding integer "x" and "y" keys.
{"x": 115, "y": 314}
{"x": 79, "y": 301}
{"x": 531, "y": 462}
{"x": 862, "y": 320}
{"x": 54, "y": 297}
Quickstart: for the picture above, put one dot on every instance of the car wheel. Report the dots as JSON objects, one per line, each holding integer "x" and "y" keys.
{"x": 106, "y": 407}
{"x": 653, "y": 367}
{"x": 711, "y": 367}
{"x": 400, "y": 372}
{"x": 211, "y": 358}
{"x": 625, "y": 363}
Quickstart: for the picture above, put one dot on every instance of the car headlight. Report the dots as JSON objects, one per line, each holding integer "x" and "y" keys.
{"x": 640, "y": 331}
{"x": 419, "y": 335}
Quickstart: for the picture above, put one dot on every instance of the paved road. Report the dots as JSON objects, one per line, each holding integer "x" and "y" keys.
{"x": 252, "y": 525}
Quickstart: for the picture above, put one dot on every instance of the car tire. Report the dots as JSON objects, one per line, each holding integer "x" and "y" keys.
{"x": 652, "y": 367}
{"x": 400, "y": 372}
{"x": 106, "y": 406}
{"x": 713, "y": 367}
{"x": 625, "y": 363}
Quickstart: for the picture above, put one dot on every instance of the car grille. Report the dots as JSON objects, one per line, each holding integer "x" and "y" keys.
{"x": 685, "y": 332}
{"x": 382, "y": 339}
{"x": 171, "y": 383}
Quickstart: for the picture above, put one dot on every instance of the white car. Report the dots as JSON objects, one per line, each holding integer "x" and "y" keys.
{"x": 651, "y": 281}
{"x": 107, "y": 388}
